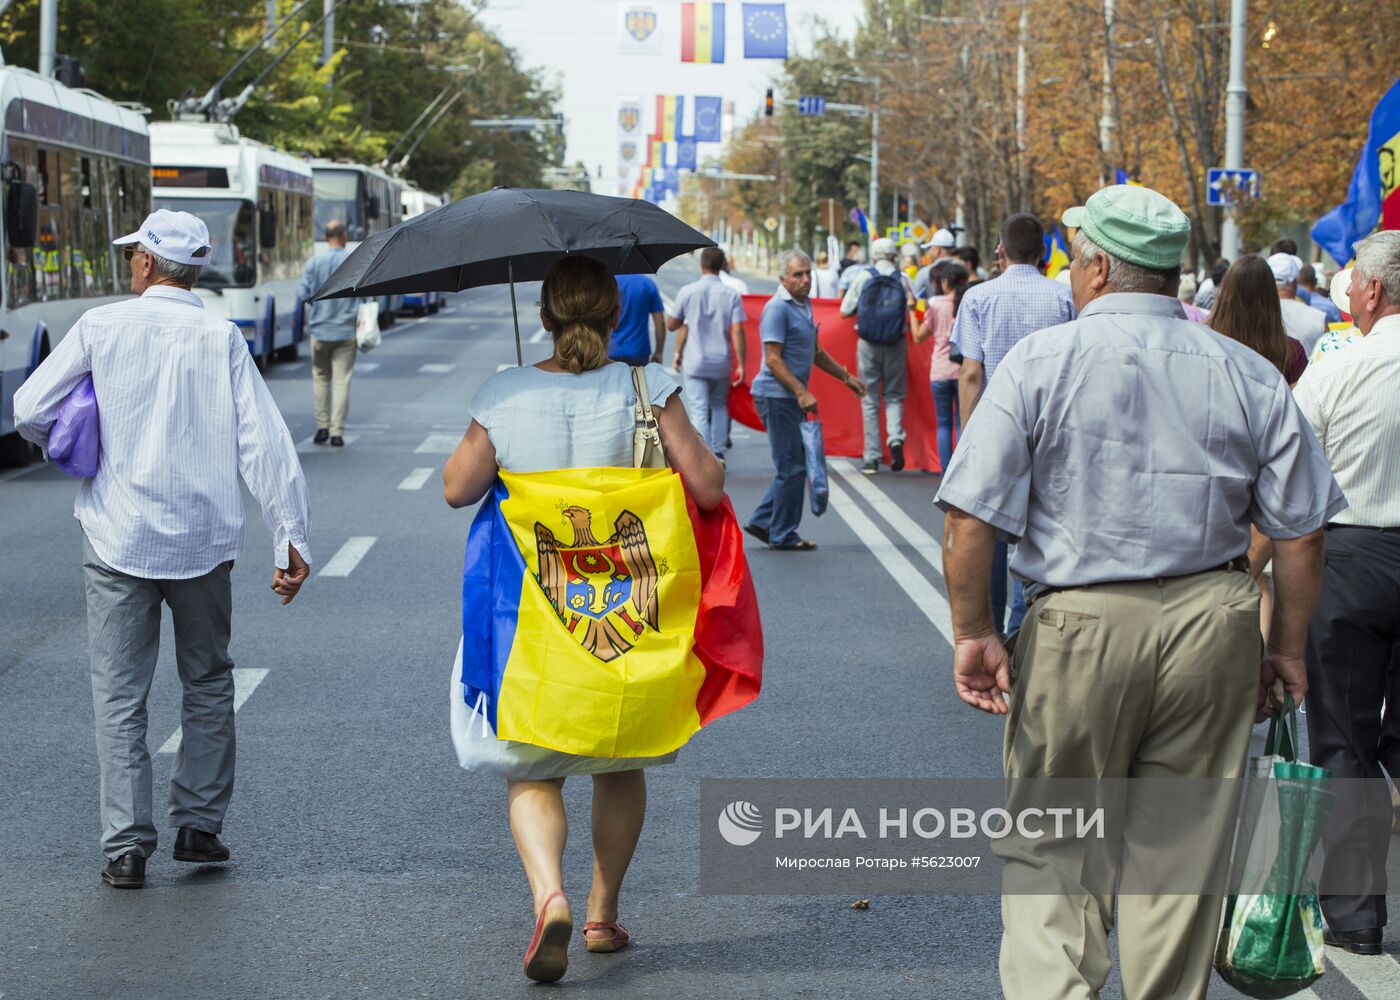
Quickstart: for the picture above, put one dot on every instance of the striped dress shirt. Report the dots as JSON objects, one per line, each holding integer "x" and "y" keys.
{"x": 183, "y": 413}
{"x": 1352, "y": 399}
{"x": 997, "y": 314}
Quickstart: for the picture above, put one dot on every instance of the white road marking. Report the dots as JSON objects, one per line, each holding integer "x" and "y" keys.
{"x": 502, "y": 368}
{"x": 343, "y": 563}
{"x": 438, "y": 444}
{"x": 294, "y": 367}
{"x": 366, "y": 366}
{"x": 901, "y": 522}
{"x": 1373, "y": 976}
{"x": 245, "y": 682}
{"x": 436, "y": 369}
{"x": 5, "y": 477}
{"x": 415, "y": 479}
{"x": 924, "y": 595}
{"x": 309, "y": 444}
{"x": 539, "y": 336}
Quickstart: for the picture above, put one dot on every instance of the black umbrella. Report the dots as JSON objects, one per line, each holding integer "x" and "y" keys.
{"x": 507, "y": 235}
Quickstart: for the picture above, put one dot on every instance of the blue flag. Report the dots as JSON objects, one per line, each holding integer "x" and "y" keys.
{"x": 685, "y": 153}
{"x": 1120, "y": 176}
{"x": 708, "y": 119}
{"x": 765, "y": 31}
{"x": 1338, "y": 231}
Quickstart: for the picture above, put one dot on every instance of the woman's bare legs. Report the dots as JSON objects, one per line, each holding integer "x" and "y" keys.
{"x": 540, "y": 829}
{"x": 619, "y": 806}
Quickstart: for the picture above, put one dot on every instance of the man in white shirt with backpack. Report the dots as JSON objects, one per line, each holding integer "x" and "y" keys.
{"x": 882, "y": 301}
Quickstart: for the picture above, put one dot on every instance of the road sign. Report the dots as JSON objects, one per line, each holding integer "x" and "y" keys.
{"x": 811, "y": 105}
{"x": 1223, "y": 184}
{"x": 770, "y": 224}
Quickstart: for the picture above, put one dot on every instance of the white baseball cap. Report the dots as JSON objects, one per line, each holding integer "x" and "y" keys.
{"x": 882, "y": 249}
{"x": 942, "y": 238}
{"x": 1285, "y": 267}
{"x": 1340, "y": 290}
{"x": 177, "y": 236}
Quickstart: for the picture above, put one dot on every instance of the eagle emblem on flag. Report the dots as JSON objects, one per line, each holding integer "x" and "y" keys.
{"x": 629, "y": 117}
{"x": 603, "y": 591}
{"x": 640, "y": 24}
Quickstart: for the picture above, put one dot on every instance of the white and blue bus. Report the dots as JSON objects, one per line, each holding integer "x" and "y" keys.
{"x": 76, "y": 174}
{"x": 367, "y": 200}
{"x": 257, "y": 203}
{"x": 415, "y": 202}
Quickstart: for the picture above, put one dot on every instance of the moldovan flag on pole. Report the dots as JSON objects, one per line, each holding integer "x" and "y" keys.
{"x": 604, "y": 614}
{"x": 1374, "y": 193}
{"x": 668, "y": 117}
{"x": 702, "y": 32}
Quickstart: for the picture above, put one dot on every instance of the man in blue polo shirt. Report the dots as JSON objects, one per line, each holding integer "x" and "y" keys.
{"x": 641, "y": 305}
{"x": 790, "y": 352}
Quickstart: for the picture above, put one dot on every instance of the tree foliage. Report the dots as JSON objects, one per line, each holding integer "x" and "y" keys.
{"x": 948, "y": 107}
{"x": 391, "y": 60}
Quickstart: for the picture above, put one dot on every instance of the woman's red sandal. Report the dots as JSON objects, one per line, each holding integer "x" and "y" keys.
{"x": 613, "y": 942}
{"x": 548, "y": 955}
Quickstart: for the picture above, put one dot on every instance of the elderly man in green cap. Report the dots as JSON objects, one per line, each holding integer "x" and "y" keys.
{"x": 1126, "y": 454}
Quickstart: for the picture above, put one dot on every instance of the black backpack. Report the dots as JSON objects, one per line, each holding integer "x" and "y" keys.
{"x": 881, "y": 313}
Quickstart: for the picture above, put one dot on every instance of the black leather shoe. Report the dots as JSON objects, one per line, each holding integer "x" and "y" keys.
{"x": 199, "y": 847}
{"x": 337, "y": 442}
{"x": 1363, "y": 942}
{"x": 897, "y": 457}
{"x": 127, "y": 872}
{"x": 322, "y": 436}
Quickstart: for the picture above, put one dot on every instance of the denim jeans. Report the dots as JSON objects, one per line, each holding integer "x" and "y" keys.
{"x": 1018, "y": 607}
{"x": 780, "y": 511}
{"x": 945, "y": 406}
{"x": 708, "y": 402}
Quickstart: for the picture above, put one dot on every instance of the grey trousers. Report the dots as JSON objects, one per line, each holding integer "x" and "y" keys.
{"x": 882, "y": 367}
{"x": 124, "y": 639}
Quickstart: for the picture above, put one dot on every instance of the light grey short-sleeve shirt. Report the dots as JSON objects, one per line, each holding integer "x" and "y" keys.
{"x": 540, "y": 420}
{"x": 1132, "y": 444}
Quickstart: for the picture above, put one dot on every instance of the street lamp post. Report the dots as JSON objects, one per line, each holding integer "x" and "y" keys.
{"x": 1234, "y": 125}
{"x": 873, "y": 212}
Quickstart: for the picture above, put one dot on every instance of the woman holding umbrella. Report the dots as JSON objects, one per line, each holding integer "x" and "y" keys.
{"x": 574, "y": 410}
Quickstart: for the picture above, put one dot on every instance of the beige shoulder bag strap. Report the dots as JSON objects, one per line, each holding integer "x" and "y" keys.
{"x": 647, "y": 452}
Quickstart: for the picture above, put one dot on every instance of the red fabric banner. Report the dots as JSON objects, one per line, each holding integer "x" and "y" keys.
{"x": 837, "y": 406}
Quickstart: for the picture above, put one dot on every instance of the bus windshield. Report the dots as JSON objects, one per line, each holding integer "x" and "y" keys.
{"x": 230, "y": 221}
{"x": 338, "y": 197}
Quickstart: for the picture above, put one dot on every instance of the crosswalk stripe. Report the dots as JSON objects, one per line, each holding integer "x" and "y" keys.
{"x": 343, "y": 563}
{"x": 902, "y": 523}
{"x": 245, "y": 682}
{"x": 415, "y": 479}
{"x": 366, "y": 366}
{"x": 435, "y": 369}
{"x": 538, "y": 337}
{"x": 438, "y": 444}
{"x": 1375, "y": 976}
{"x": 924, "y": 595}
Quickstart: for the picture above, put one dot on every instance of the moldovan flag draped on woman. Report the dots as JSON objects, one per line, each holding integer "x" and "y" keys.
{"x": 604, "y": 614}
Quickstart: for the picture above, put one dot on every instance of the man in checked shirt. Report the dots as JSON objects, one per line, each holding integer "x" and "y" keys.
{"x": 183, "y": 414}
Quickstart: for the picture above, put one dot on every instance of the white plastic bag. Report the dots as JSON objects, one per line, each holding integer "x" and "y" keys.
{"x": 367, "y": 325}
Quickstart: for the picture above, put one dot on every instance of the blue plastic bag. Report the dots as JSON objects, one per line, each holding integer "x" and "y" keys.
{"x": 75, "y": 440}
{"x": 817, "y": 490}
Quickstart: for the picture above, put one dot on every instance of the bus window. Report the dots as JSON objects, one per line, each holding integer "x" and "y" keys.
{"x": 338, "y": 197}
{"x": 230, "y": 221}
{"x": 48, "y": 253}
{"x": 19, "y": 264}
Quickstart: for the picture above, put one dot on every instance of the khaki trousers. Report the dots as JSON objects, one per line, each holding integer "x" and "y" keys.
{"x": 332, "y": 362}
{"x": 1152, "y": 679}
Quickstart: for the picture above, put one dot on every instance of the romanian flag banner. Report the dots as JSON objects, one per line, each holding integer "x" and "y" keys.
{"x": 1373, "y": 197}
{"x": 668, "y": 117}
{"x": 702, "y": 32}
{"x": 604, "y": 614}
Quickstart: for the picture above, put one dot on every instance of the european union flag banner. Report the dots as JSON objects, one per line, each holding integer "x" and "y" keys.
{"x": 686, "y": 153}
{"x": 1374, "y": 194}
{"x": 765, "y": 31}
{"x": 709, "y": 119}
{"x": 604, "y": 614}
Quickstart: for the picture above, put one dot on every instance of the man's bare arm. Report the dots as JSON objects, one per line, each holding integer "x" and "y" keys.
{"x": 981, "y": 667}
{"x": 1297, "y": 582}
{"x": 972, "y": 379}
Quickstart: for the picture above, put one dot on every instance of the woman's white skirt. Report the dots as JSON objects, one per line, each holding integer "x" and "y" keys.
{"x": 478, "y": 749}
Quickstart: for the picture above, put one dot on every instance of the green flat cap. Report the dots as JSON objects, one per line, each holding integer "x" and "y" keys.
{"x": 1133, "y": 223}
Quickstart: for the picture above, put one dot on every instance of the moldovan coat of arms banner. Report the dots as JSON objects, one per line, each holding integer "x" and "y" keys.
{"x": 604, "y": 614}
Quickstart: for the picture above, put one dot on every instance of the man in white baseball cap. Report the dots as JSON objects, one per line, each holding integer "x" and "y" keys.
{"x": 184, "y": 414}
{"x": 939, "y": 246}
{"x": 1300, "y": 321}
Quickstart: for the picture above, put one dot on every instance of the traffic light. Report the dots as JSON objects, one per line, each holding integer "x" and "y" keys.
{"x": 768, "y": 104}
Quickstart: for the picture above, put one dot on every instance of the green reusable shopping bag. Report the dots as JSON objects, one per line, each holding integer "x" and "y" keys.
{"x": 1271, "y": 937}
